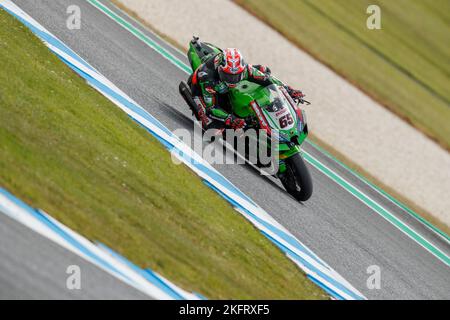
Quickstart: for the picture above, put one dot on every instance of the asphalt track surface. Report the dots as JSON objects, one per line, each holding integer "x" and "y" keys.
{"x": 33, "y": 267}
{"x": 343, "y": 231}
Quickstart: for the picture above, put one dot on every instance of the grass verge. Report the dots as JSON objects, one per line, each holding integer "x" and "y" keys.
{"x": 404, "y": 66}
{"x": 68, "y": 150}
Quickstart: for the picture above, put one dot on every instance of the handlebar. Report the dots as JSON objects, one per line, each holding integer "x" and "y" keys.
{"x": 302, "y": 101}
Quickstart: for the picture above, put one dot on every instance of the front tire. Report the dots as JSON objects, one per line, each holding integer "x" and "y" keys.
{"x": 297, "y": 180}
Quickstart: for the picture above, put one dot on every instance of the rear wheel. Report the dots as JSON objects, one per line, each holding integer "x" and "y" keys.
{"x": 297, "y": 179}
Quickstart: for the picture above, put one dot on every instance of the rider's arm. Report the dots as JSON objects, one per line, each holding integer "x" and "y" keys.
{"x": 265, "y": 79}
{"x": 262, "y": 68}
{"x": 257, "y": 76}
{"x": 210, "y": 99}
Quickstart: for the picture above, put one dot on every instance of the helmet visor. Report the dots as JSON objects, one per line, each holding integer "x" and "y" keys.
{"x": 229, "y": 78}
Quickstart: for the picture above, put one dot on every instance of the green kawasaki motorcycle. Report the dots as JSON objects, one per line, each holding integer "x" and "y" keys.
{"x": 268, "y": 108}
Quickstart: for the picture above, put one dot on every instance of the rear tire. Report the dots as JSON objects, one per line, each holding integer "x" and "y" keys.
{"x": 298, "y": 180}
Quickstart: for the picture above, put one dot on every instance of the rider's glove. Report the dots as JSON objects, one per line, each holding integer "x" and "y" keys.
{"x": 295, "y": 94}
{"x": 263, "y": 69}
{"x": 234, "y": 123}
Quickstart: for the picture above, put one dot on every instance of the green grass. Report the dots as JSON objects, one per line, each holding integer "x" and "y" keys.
{"x": 405, "y": 66}
{"x": 68, "y": 150}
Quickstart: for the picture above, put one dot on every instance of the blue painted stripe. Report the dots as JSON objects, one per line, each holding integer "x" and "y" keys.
{"x": 155, "y": 279}
{"x": 127, "y": 103}
{"x": 292, "y": 241}
{"x": 280, "y": 233}
{"x": 323, "y": 275}
{"x": 55, "y": 228}
{"x": 146, "y": 273}
{"x": 49, "y": 38}
{"x": 94, "y": 82}
{"x": 224, "y": 182}
{"x": 332, "y": 293}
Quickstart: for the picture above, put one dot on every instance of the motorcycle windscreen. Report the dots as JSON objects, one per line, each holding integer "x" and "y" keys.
{"x": 279, "y": 112}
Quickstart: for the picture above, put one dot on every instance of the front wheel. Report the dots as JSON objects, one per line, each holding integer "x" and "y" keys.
{"x": 297, "y": 179}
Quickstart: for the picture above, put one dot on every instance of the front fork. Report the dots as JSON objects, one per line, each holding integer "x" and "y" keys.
{"x": 285, "y": 154}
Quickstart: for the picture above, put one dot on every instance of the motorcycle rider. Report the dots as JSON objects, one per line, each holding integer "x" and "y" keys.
{"x": 220, "y": 72}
